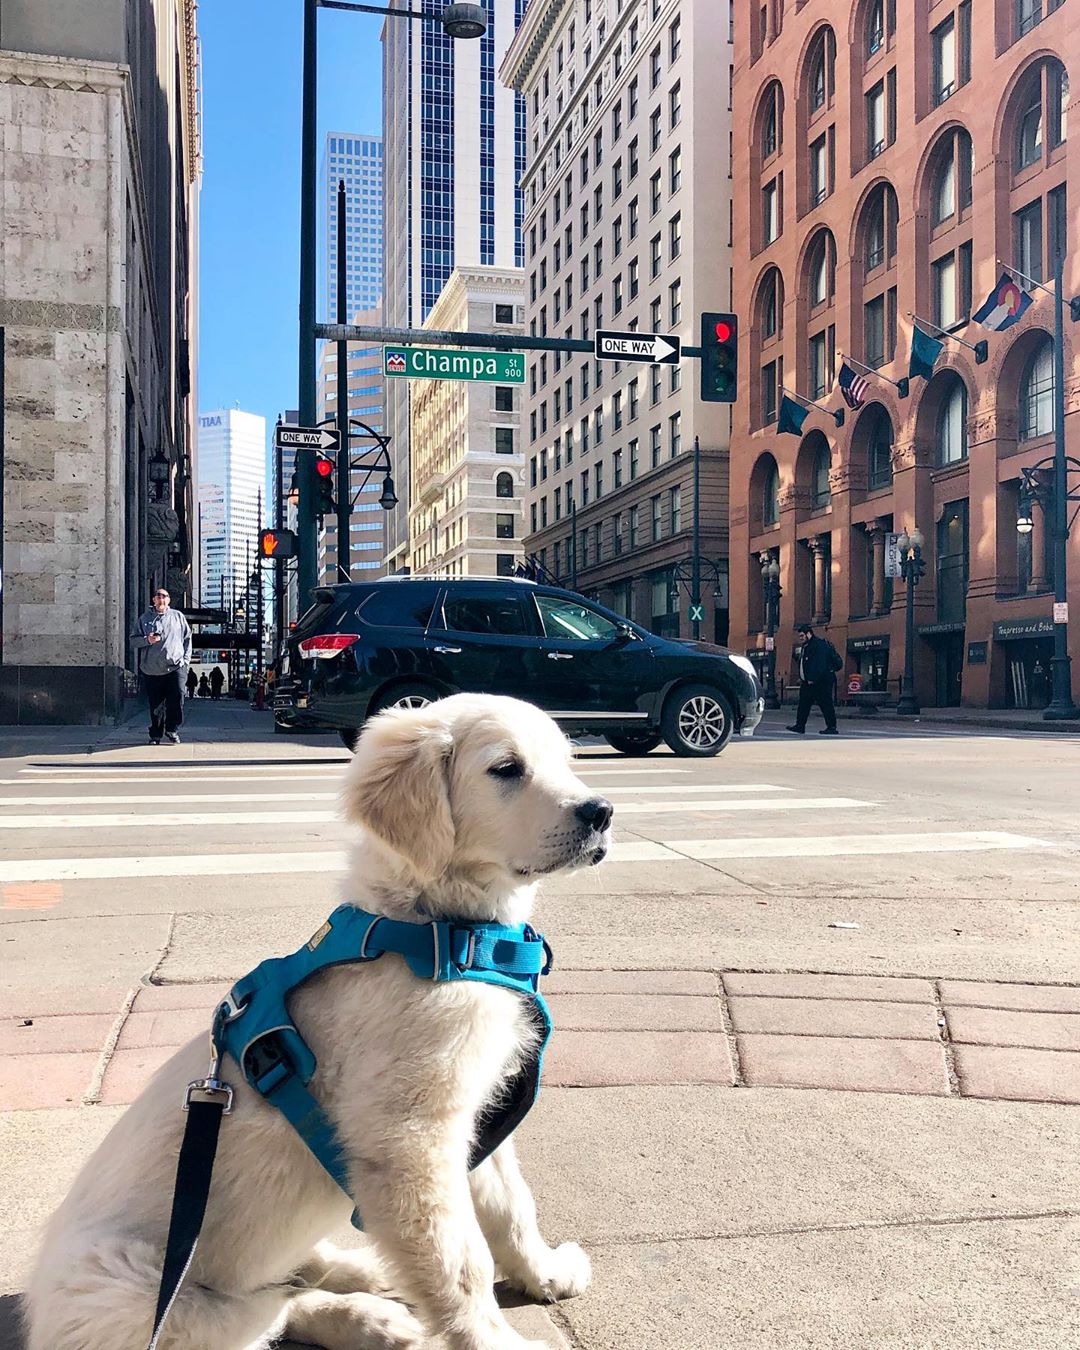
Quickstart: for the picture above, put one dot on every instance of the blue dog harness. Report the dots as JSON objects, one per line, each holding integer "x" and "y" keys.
{"x": 254, "y": 1027}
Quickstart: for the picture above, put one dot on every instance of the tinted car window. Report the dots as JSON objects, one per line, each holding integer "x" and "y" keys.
{"x": 570, "y": 621}
{"x": 400, "y": 606}
{"x": 318, "y": 617}
{"x": 503, "y": 615}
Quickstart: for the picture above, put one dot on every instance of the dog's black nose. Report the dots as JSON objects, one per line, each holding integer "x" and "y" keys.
{"x": 597, "y": 812}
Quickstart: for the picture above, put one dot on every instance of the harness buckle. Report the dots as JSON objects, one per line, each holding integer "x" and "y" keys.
{"x": 209, "y": 1087}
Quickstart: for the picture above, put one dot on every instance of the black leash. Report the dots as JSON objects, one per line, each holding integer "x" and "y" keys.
{"x": 206, "y": 1101}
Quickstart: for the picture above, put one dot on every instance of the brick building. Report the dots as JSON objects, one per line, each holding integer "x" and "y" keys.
{"x": 889, "y": 160}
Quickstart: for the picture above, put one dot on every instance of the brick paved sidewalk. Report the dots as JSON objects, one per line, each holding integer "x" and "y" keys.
{"x": 625, "y": 1028}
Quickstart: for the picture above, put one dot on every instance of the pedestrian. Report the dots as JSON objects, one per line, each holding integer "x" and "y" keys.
{"x": 204, "y": 688}
{"x": 192, "y": 682}
{"x": 162, "y": 638}
{"x": 817, "y": 675}
{"x": 217, "y": 679}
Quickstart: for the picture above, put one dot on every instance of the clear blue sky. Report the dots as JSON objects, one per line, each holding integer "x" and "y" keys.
{"x": 250, "y": 209}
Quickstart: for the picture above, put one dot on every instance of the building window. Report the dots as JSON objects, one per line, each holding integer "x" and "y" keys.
{"x": 818, "y": 365}
{"x": 675, "y": 433}
{"x": 821, "y": 491}
{"x": 617, "y": 533}
{"x": 675, "y": 169}
{"x": 654, "y": 445}
{"x": 769, "y": 387}
{"x": 657, "y": 519}
{"x": 943, "y": 44}
{"x": 655, "y": 192}
{"x": 635, "y": 525}
{"x": 822, "y": 59}
{"x": 1028, "y": 240}
{"x": 874, "y": 314}
{"x": 882, "y": 214}
{"x": 952, "y": 425}
{"x": 819, "y": 171}
{"x": 655, "y": 255}
{"x": 770, "y": 498}
{"x": 633, "y": 448}
{"x": 675, "y": 105}
{"x": 616, "y": 469}
{"x": 770, "y": 211}
{"x": 1037, "y": 394}
{"x": 675, "y": 504}
{"x": 656, "y": 69}
{"x": 504, "y": 485}
{"x": 504, "y": 313}
{"x": 771, "y": 123}
{"x": 875, "y": 120}
{"x": 504, "y": 525}
{"x": 879, "y": 450}
{"x": 675, "y": 40}
{"x": 655, "y": 133}
{"x": 675, "y": 297}
{"x": 822, "y": 270}
{"x": 632, "y": 278}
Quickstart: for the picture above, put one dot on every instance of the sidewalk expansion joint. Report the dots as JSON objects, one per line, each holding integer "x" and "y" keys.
{"x": 866, "y": 1225}
{"x": 728, "y": 1023}
{"x": 951, "y": 1071}
{"x": 92, "y": 1095}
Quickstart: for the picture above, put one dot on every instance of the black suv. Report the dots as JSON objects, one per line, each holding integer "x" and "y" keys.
{"x": 405, "y": 641}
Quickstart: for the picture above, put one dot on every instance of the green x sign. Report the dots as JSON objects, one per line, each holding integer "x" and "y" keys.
{"x": 697, "y": 613}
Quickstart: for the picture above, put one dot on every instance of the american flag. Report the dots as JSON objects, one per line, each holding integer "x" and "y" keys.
{"x": 853, "y": 386}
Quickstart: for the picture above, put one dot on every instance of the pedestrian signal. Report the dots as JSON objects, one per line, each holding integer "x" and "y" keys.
{"x": 719, "y": 358}
{"x": 324, "y": 486}
{"x": 277, "y": 544}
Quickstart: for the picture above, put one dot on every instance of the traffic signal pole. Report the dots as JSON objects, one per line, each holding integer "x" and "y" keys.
{"x": 279, "y": 563}
{"x": 307, "y": 532}
{"x": 344, "y": 478}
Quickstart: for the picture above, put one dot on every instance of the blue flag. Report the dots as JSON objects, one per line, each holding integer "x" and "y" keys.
{"x": 792, "y": 416}
{"x": 925, "y": 350}
{"x": 1004, "y": 305}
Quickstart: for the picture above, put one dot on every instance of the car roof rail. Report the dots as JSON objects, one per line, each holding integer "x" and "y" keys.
{"x": 451, "y": 581}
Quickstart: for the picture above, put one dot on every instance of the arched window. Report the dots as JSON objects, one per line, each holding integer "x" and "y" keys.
{"x": 820, "y": 64}
{"x": 821, "y": 269}
{"x": 875, "y": 27}
{"x": 821, "y": 492}
{"x": 873, "y": 437}
{"x": 879, "y": 228}
{"x": 772, "y": 120}
{"x": 770, "y": 497}
{"x": 950, "y": 177}
{"x": 504, "y": 485}
{"x": 951, "y": 432}
{"x": 771, "y": 305}
{"x": 1040, "y": 103}
{"x": 1037, "y": 394}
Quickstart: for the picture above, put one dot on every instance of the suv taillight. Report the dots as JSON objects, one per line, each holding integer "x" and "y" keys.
{"x": 327, "y": 645}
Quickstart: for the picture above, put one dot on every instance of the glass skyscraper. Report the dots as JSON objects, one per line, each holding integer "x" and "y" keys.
{"x": 454, "y": 149}
{"x": 358, "y": 160}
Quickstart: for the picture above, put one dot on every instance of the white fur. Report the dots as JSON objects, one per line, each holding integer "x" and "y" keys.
{"x": 404, "y": 1068}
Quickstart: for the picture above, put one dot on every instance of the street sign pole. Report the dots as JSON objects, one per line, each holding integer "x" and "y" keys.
{"x": 306, "y": 529}
{"x": 344, "y": 484}
{"x": 695, "y": 612}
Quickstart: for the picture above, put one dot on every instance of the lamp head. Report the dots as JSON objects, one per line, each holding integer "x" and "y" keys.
{"x": 464, "y": 21}
{"x": 388, "y": 500}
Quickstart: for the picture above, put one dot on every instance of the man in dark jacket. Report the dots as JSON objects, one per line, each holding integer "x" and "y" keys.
{"x": 817, "y": 674}
{"x": 162, "y": 637}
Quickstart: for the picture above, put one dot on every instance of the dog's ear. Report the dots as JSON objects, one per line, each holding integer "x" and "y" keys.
{"x": 397, "y": 787}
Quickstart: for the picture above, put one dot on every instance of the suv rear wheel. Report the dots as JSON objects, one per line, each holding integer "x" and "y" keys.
{"x": 414, "y": 695}
{"x": 634, "y": 742}
{"x": 697, "y": 721}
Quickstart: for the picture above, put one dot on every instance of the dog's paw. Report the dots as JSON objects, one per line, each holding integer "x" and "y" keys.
{"x": 390, "y": 1326}
{"x": 564, "y": 1273}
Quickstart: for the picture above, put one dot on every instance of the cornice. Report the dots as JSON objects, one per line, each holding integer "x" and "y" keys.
{"x": 33, "y": 70}
{"x": 529, "y": 41}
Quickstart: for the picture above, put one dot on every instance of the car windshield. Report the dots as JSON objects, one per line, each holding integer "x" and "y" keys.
{"x": 567, "y": 619}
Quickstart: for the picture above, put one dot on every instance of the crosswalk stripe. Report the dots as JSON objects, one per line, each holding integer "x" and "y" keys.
{"x": 826, "y": 846}
{"x": 632, "y": 851}
{"x": 184, "y": 819}
{"x": 175, "y": 798}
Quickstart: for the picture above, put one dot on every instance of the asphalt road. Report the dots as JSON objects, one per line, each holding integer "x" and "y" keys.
{"x": 909, "y": 852}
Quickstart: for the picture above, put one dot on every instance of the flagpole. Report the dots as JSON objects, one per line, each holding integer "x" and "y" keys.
{"x": 1074, "y": 303}
{"x": 1061, "y": 704}
{"x": 981, "y": 348}
{"x": 902, "y": 386}
{"x": 838, "y": 416}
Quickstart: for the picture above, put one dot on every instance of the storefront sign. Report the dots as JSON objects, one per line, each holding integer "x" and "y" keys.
{"x": 938, "y": 629}
{"x": 976, "y": 654}
{"x": 869, "y": 644}
{"x": 1013, "y": 630}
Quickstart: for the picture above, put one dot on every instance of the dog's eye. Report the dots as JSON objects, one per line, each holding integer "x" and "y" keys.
{"x": 508, "y": 770}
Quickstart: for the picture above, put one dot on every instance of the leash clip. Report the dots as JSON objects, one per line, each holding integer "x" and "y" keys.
{"x": 211, "y": 1086}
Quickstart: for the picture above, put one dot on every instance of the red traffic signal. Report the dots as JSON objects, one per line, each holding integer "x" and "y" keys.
{"x": 719, "y": 358}
{"x": 324, "y": 467}
{"x": 277, "y": 544}
{"x": 324, "y": 486}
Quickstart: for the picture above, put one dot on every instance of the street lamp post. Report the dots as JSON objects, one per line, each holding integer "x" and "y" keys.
{"x": 770, "y": 587}
{"x": 458, "y": 21}
{"x": 1061, "y": 704}
{"x": 912, "y": 568}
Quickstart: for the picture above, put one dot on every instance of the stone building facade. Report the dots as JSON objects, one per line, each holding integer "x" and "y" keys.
{"x": 627, "y": 215}
{"x": 99, "y": 171}
{"x": 467, "y": 472}
{"x": 890, "y": 163}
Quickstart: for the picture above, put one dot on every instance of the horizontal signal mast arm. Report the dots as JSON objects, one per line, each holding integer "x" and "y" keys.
{"x": 424, "y": 337}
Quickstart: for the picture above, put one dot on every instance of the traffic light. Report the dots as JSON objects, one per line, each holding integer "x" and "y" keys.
{"x": 277, "y": 544}
{"x": 324, "y": 486}
{"x": 719, "y": 358}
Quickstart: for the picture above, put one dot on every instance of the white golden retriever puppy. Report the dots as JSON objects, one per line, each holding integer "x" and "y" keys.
{"x": 463, "y": 804}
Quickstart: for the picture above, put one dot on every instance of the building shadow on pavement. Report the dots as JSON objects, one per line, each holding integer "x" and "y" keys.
{"x": 11, "y": 1337}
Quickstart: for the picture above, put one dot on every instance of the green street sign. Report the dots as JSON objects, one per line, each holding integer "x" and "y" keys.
{"x": 440, "y": 363}
{"x": 697, "y": 613}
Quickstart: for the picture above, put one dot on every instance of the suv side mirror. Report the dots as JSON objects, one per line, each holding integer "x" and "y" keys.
{"x": 624, "y": 633}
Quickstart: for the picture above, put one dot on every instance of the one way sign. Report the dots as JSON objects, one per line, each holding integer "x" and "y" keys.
{"x": 655, "y": 349}
{"x": 306, "y": 438}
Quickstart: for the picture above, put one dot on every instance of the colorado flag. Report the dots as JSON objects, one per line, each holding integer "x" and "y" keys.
{"x": 1004, "y": 305}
